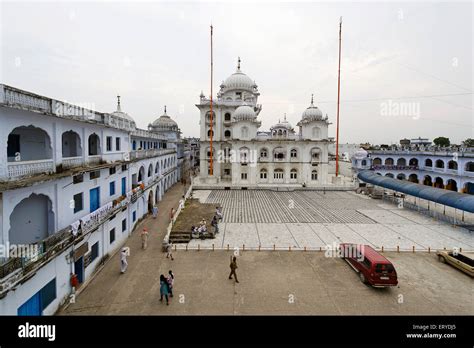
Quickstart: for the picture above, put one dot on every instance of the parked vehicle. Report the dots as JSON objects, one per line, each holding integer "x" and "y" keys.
{"x": 373, "y": 268}
{"x": 461, "y": 260}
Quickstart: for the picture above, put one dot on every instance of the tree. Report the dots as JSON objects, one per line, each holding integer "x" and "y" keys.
{"x": 469, "y": 142}
{"x": 441, "y": 141}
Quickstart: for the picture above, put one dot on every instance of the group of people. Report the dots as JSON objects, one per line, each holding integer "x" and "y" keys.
{"x": 201, "y": 231}
{"x": 166, "y": 286}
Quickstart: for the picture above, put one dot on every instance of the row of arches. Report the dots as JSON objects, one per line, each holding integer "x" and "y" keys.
{"x": 164, "y": 164}
{"x": 439, "y": 163}
{"x": 30, "y": 143}
{"x": 279, "y": 174}
{"x": 438, "y": 182}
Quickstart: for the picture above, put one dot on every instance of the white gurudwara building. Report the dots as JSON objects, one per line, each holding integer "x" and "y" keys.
{"x": 244, "y": 156}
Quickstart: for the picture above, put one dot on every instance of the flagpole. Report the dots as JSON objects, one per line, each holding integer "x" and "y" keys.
{"x": 211, "y": 169}
{"x": 338, "y": 99}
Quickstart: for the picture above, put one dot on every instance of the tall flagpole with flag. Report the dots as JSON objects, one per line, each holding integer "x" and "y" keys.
{"x": 338, "y": 98}
{"x": 211, "y": 168}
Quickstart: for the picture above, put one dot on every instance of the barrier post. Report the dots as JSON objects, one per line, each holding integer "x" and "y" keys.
{"x": 186, "y": 247}
{"x": 382, "y": 248}
{"x": 243, "y": 247}
{"x": 199, "y": 247}
{"x": 304, "y": 248}
{"x": 413, "y": 248}
{"x": 212, "y": 246}
{"x": 429, "y": 250}
{"x": 227, "y": 247}
{"x": 273, "y": 247}
{"x": 398, "y": 248}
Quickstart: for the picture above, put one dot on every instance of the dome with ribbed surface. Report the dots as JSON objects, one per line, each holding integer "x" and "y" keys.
{"x": 239, "y": 81}
{"x": 312, "y": 113}
{"x": 165, "y": 122}
{"x": 244, "y": 112}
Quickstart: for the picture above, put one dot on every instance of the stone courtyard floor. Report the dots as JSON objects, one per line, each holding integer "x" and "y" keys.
{"x": 313, "y": 219}
{"x": 284, "y": 282}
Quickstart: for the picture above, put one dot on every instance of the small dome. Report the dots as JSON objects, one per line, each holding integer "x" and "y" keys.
{"x": 312, "y": 113}
{"x": 361, "y": 154}
{"x": 239, "y": 80}
{"x": 285, "y": 124}
{"x": 244, "y": 112}
{"x": 120, "y": 113}
{"x": 164, "y": 122}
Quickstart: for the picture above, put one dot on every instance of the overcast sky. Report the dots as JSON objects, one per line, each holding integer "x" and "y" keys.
{"x": 406, "y": 68}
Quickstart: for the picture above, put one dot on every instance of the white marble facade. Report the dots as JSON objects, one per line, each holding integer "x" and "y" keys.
{"x": 245, "y": 156}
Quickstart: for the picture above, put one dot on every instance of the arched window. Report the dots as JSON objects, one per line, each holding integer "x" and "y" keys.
{"x": 279, "y": 153}
{"x": 28, "y": 144}
{"x": 278, "y": 174}
{"x": 364, "y": 162}
{"x": 263, "y": 174}
{"x": 227, "y": 116}
{"x": 210, "y": 132}
{"x": 227, "y": 133}
{"x": 157, "y": 167}
{"x": 453, "y": 165}
{"x": 377, "y": 161}
{"x": 413, "y": 162}
{"x": 263, "y": 153}
{"x": 208, "y": 117}
{"x": 401, "y": 162}
{"x": 428, "y": 163}
{"x": 94, "y": 145}
{"x": 470, "y": 167}
{"x": 389, "y": 161}
{"x": 150, "y": 170}
{"x": 293, "y": 174}
{"x": 71, "y": 144}
{"x": 293, "y": 153}
{"x": 141, "y": 174}
{"x": 439, "y": 164}
{"x": 314, "y": 175}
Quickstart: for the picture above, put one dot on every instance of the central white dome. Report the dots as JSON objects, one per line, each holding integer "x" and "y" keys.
{"x": 239, "y": 80}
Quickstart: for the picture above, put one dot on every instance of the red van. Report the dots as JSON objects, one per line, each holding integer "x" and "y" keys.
{"x": 373, "y": 268}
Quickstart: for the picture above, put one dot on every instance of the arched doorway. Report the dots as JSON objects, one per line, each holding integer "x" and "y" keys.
{"x": 151, "y": 201}
{"x": 439, "y": 183}
{"x": 452, "y": 185}
{"x": 390, "y": 175}
{"x": 94, "y": 145}
{"x": 401, "y": 176}
{"x": 28, "y": 144}
{"x": 32, "y": 220}
{"x": 413, "y": 178}
{"x": 428, "y": 181}
{"x": 71, "y": 144}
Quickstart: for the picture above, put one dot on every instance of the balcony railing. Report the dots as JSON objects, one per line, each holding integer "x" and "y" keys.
{"x": 25, "y": 168}
{"x": 95, "y": 159}
{"x": 393, "y": 167}
{"x": 138, "y": 154}
{"x": 70, "y": 162}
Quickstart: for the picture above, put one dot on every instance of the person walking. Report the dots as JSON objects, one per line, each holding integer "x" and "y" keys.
{"x": 169, "y": 251}
{"x": 171, "y": 214}
{"x": 123, "y": 260}
{"x": 170, "y": 281}
{"x": 155, "y": 211}
{"x": 164, "y": 290}
{"x": 233, "y": 267}
{"x": 144, "y": 236}
{"x": 215, "y": 224}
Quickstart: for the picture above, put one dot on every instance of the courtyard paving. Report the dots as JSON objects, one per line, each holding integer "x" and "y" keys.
{"x": 313, "y": 220}
{"x": 284, "y": 282}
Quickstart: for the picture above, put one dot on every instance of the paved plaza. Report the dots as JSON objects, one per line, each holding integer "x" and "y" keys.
{"x": 277, "y": 282}
{"x": 315, "y": 219}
